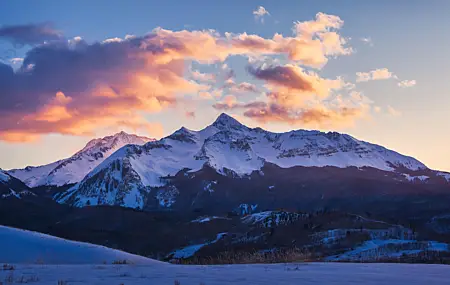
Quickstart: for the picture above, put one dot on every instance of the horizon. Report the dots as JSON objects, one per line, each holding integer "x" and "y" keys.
{"x": 295, "y": 66}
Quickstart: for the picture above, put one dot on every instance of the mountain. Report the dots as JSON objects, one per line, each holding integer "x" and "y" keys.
{"x": 73, "y": 169}
{"x": 230, "y": 162}
{"x": 12, "y": 188}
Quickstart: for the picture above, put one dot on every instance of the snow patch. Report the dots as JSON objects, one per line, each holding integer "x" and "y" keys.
{"x": 190, "y": 251}
{"x": 376, "y": 250}
{"x": 208, "y": 219}
{"x": 410, "y": 178}
{"x": 445, "y": 175}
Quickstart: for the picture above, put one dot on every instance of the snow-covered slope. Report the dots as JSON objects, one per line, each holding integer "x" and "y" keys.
{"x": 11, "y": 187}
{"x": 21, "y": 246}
{"x": 74, "y": 168}
{"x": 127, "y": 176}
{"x": 4, "y": 177}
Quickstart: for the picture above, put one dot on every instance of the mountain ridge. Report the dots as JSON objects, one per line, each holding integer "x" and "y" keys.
{"x": 135, "y": 174}
{"x": 74, "y": 168}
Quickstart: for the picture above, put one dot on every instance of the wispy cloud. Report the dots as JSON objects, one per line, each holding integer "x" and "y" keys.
{"x": 393, "y": 112}
{"x": 367, "y": 41}
{"x": 16, "y": 60}
{"x": 260, "y": 13}
{"x": 407, "y": 83}
{"x": 377, "y": 74}
{"x": 203, "y": 77}
{"x": 30, "y": 34}
{"x": 383, "y": 74}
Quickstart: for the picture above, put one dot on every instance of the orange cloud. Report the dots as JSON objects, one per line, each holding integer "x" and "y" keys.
{"x": 318, "y": 117}
{"x": 72, "y": 87}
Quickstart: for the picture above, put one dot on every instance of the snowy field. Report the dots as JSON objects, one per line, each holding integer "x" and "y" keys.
{"x": 34, "y": 258}
{"x": 274, "y": 274}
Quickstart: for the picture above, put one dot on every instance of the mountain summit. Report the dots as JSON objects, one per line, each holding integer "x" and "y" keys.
{"x": 226, "y": 121}
{"x": 135, "y": 175}
{"x": 73, "y": 169}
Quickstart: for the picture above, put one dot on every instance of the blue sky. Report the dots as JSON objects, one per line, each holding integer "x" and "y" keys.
{"x": 407, "y": 37}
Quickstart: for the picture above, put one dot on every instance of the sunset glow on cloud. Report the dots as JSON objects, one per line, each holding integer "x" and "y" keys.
{"x": 75, "y": 87}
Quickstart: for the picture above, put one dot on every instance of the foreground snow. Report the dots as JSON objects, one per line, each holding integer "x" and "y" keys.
{"x": 47, "y": 260}
{"x": 273, "y": 274}
{"x": 20, "y": 246}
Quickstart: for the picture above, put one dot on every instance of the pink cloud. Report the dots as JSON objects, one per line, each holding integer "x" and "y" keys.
{"x": 74, "y": 87}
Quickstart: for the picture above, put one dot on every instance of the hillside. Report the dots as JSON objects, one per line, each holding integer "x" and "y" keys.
{"x": 21, "y": 246}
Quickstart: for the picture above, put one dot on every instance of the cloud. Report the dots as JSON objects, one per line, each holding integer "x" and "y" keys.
{"x": 203, "y": 77}
{"x": 74, "y": 87}
{"x": 321, "y": 24}
{"x": 240, "y": 88}
{"x": 260, "y": 13}
{"x": 367, "y": 41}
{"x": 112, "y": 40}
{"x": 16, "y": 60}
{"x": 393, "y": 112}
{"x": 310, "y": 117}
{"x": 229, "y": 102}
{"x": 289, "y": 76}
{"x": 103, "y": 84}
{"x": 292, "y": 85}
{"x": 301, "y": 98}
{"x": 210, "y": 94}
{"x": 383, "y": 74}
{"x": 316, "y": 116}
{"x": 244, "y": 87}
{"x": 377, "y": 74}
{"x": 30, "y": 34}
{"x": 313, "y": 43}
{"x": 407, "y": 83}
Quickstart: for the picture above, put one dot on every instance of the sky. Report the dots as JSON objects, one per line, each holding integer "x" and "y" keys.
{"x": 71, "y": 71}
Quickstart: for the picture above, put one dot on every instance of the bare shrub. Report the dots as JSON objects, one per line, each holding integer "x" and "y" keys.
{"x": 232, "y": 257}
{"x": 8, "y": 267}
{"x": 121, "y": 262}
{"x": 27, "y": 279}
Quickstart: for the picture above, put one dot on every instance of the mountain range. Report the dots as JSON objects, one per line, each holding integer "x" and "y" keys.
{"x": 138, "y": 172}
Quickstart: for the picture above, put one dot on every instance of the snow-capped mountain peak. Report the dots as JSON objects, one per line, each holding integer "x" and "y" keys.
{"x": 74, "y": 169}
{"x": 224, "y": 122}
{"x": 229, "y": 147}
{"x": 113, "y": 142}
